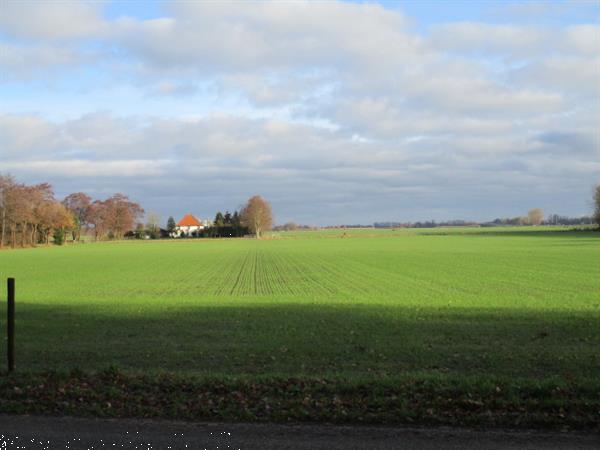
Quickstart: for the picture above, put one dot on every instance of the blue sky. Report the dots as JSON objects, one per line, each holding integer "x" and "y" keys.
{"x": 336, "y": 112}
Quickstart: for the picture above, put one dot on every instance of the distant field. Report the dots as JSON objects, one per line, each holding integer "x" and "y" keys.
{"x": 367, "y": 304}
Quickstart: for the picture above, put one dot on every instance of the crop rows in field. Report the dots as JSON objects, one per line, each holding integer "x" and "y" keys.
{"x": 259, "y": 271}
{"x": 320, "y": 270}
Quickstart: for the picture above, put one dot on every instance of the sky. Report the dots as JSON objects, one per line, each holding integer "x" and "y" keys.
{"x": 335, "y": 112}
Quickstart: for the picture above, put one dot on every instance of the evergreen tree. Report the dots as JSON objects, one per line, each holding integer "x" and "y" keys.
{"x": 171, "y": 225}
{"x": 219, "y": 220}
{"x": 59, "y": 236}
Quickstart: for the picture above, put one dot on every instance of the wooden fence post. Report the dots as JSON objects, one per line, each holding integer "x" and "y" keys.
{"x": 10, "y": 324}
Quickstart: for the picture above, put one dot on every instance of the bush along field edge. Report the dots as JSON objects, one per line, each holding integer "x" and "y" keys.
{"x": 426, "y": 400}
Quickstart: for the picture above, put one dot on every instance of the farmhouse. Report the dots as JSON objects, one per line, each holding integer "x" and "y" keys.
{"x": 188, "y": 225}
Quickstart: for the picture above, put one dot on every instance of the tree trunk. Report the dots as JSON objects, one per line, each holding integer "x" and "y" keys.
{"x": 23, "y": 234}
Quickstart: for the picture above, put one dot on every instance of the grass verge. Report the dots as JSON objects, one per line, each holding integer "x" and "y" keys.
{"x": 409, "y": 400}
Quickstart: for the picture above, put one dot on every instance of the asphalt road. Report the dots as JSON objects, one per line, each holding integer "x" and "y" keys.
{"x": 31, "y": 432}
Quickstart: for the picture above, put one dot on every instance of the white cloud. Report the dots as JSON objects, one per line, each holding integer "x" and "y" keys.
{"x": 233, "y": 36}
{"x": 171, "y": 88}
{"x": 76, "y": 168}
{"x": 29, "y": 19}
{"x": 489, "y": 39}
{"x": 584, "y": 39}
{"x": 26, "y": 61}
{"x": 516, "y": 40}
{"x": 21, "y": 135}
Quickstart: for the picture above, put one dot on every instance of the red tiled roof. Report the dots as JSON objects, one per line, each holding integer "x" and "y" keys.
{"x": 189, "y": 221}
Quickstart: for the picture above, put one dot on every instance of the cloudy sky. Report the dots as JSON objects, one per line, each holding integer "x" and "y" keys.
{"x": 336, "y": 112}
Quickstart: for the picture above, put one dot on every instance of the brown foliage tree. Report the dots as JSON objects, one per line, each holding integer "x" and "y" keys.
{"x": 123, "y": 214}
{"x": 115, "y": 215}
{"x": 535, "y": 216}
{"x": 257, "y": 215}
{"x": 54, "y": 216}
{"x": 97, "y": 216}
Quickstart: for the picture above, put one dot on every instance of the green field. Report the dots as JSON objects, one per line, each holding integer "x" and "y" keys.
{"x": 477, "y": 327}
{"x": 367, "y": 305}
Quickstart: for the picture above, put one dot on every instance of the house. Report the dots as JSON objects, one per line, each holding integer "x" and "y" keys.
{"x": 188, "y": 226}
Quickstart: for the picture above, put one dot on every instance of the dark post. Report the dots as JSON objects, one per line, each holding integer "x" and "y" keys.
{"x": 10, "y": 325}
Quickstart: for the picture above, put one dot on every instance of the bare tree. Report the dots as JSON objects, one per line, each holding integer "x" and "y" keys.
{"x": 597, "y": 204}
{"x": 257, "y": 215}
{"x": 535, "y": 216}
{"x": 153, "y": 224}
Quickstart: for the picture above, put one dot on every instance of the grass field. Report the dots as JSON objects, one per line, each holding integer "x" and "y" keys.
{"x": 357, "y": 304}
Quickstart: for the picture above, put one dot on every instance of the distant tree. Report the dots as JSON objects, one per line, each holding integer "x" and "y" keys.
{"x": 257, "y": 215}
{"x": 59, "y": 236}
{"x": 153, "y": 225}
{"x": 56, "y": 219}
{"x": 219, "y": 220}
{"x": 114, "y": 216}
{"x": 98, "y": 218}
{"x": 79, "y": 205}
{"x": 44, "y": 213}
{"x": 236, "y": 220}
{"x": 171, "y": 225}
{"x": 597, "y": 205}
{"x": 290, "y": 226}
{"x": 227, "y": 219}
{"x": 535, "y": 216}
{"x": 140, "y": 231}
{"x": 121, "y": 214}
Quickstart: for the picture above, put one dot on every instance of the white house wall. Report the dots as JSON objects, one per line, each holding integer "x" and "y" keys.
{"x": 187, "y": 230}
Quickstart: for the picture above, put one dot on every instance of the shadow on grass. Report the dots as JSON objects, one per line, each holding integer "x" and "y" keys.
{"x": 297, "y": 340}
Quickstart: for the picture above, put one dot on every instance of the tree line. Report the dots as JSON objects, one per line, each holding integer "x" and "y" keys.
{"x": 31, "y": 215}
{"x": 534, "y": 216}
